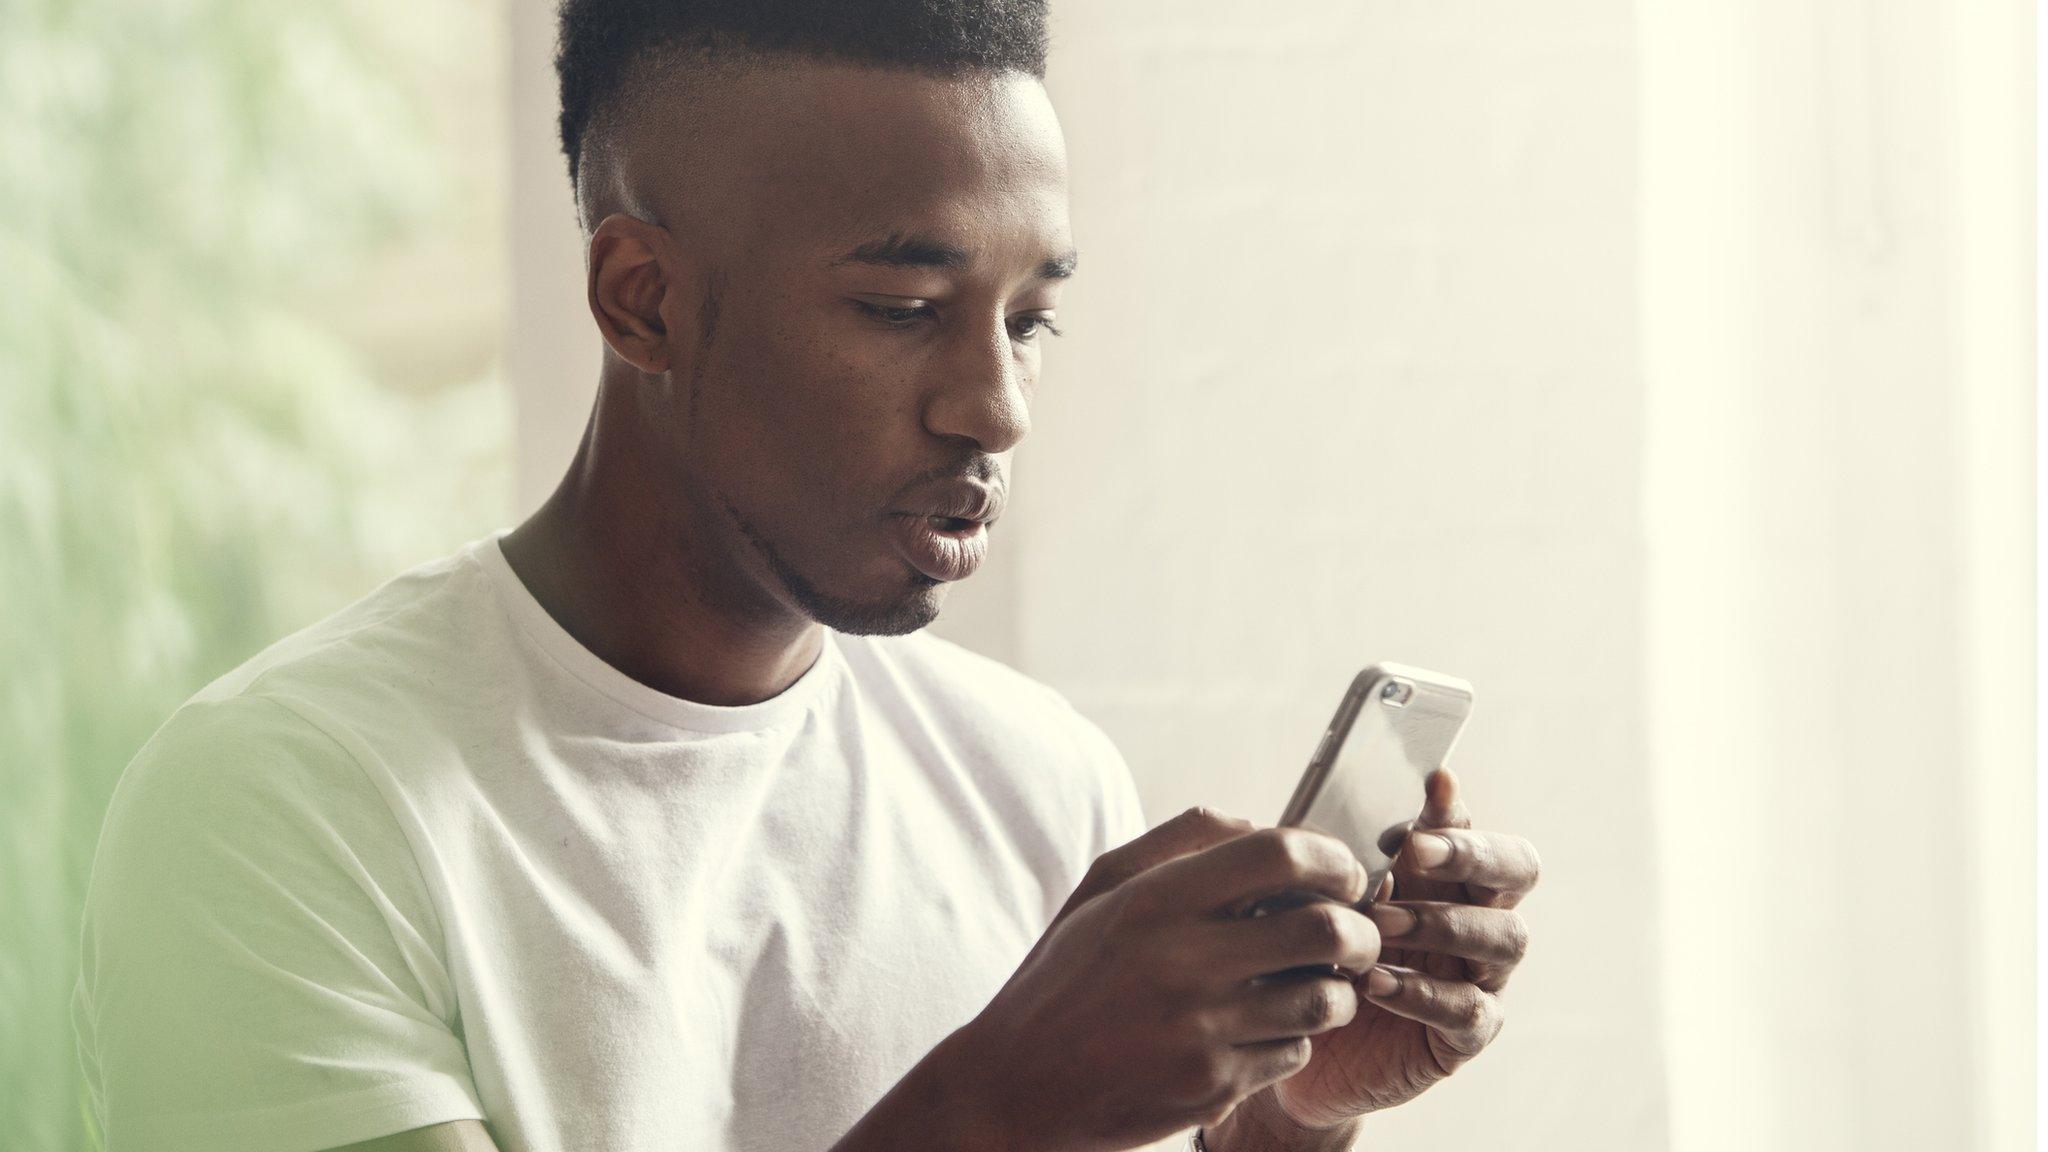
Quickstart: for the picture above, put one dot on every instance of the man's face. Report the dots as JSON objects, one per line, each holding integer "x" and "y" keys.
{"x": 896, "y": 244}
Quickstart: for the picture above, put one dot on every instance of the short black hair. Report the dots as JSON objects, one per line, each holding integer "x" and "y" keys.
{"x": 602, "y": 40}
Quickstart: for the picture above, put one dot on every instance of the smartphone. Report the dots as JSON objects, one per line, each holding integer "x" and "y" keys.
{"x": 1395, "y": 725}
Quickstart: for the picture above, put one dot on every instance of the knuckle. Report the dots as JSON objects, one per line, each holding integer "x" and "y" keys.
{"x": 1303, "y": 853}
{"x": 1316, "y": 1008}
{"x": 1199, "y": 1032}
{"x": 1367, "y": 951}
{"x": 1327, "y": 1006}
{"x": 1483, "y": 1019}
{"x": 1494, "y": 1020}
{"x": 1281, "y": 848}
{"x": 1203, "y": 815}
{"x": 1469, "y": 853}
{"x": 1322, "y": 928}
{"x": 1431, "y": 925}
{"x": 1325, "y": 851}
{"x": 1515, "y": 936}
{"x": 1283, "y": 1060}
{"x": 1423, "y": 992}
{"x": 1110, "y": 866}
{"x": 1472, "y": 1013}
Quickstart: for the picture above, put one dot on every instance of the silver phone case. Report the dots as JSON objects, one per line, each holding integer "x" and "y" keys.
{"x": 1396, "y": 724}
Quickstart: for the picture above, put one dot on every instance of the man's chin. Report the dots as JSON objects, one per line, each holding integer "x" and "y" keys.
{"x": 911, "y": 599}
{"x": 893, "y": 616}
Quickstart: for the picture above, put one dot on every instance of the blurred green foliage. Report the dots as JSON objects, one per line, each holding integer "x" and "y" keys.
{"x": 193, "y": 461}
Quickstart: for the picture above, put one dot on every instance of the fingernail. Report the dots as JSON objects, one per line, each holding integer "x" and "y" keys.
{"x": 1382, "y": 983}
{"x": 1393, "y": 921}
{"x": 1428, "y": 850}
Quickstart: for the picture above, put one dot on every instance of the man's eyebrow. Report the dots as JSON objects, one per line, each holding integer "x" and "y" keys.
{"x": 900, "y": 251}
{"x": 1059, "y": 267}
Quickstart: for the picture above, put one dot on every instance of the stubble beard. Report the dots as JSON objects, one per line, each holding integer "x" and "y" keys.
{"x": 916, "y": 607}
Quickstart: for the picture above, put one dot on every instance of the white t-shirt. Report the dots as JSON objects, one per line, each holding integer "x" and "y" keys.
{"x": 431, "y": 859}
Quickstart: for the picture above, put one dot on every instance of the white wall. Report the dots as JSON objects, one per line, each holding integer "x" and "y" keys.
{"x": 553, "y": 347}
{"x": 1838, "y": 223}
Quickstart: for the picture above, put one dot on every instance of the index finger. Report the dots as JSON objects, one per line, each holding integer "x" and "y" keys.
{"x": 1268, "y": 862}
{"x": 1191, "y": 831}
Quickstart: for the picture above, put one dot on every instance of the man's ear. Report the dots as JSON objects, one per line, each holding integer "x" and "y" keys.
{"x": 629, "y": 284}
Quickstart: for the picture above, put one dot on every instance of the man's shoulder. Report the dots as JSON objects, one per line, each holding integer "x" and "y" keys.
{"x": 402, "y": 628}
{"x": 239, "y": 742}
{"x": 276, "y": 746}
{"x": 242, "y": 770}
{"x": 289, "y": 723}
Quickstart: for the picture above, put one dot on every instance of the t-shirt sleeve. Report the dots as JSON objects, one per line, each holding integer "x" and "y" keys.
{"x": 260, "y": 961}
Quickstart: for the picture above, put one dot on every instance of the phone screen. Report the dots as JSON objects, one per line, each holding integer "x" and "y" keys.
{"x": 1394, "y": 727}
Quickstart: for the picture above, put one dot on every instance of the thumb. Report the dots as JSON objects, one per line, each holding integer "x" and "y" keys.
{"x": 1443, "y": 807}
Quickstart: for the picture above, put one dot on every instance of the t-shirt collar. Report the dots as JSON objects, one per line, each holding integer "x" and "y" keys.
{"x": 586, "y": 666}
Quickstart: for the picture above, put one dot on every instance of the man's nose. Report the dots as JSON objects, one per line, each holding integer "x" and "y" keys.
{"x": 984, "y": 392}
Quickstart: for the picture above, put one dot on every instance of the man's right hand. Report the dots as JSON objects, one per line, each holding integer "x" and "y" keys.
{"x": 1140, "y": 1013}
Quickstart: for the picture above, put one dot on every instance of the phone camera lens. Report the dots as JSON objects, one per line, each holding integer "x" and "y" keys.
{"x": 1396, "y": 692}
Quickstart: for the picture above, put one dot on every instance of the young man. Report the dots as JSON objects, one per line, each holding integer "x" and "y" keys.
{"x": 654, "y": 824}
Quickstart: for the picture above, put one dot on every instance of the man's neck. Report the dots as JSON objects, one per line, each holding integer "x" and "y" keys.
{"x": 614, "y": 575}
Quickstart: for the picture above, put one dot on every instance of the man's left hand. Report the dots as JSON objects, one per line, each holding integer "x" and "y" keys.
{"x": 1452, "y": 938}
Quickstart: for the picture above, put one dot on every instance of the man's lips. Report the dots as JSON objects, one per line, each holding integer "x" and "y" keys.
{"x": 956, "y": 499}
{"x": 943, "y": 548}
{"x": 941, "y": 526}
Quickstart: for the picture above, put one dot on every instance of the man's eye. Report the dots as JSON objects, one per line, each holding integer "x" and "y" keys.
{"x": 1037, "y": 324}
{"x": 899, "y": 317}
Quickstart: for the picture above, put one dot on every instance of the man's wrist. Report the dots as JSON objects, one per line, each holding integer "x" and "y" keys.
{"x": 1259, "y": 1124}
{"x": 943, "y": 1103}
